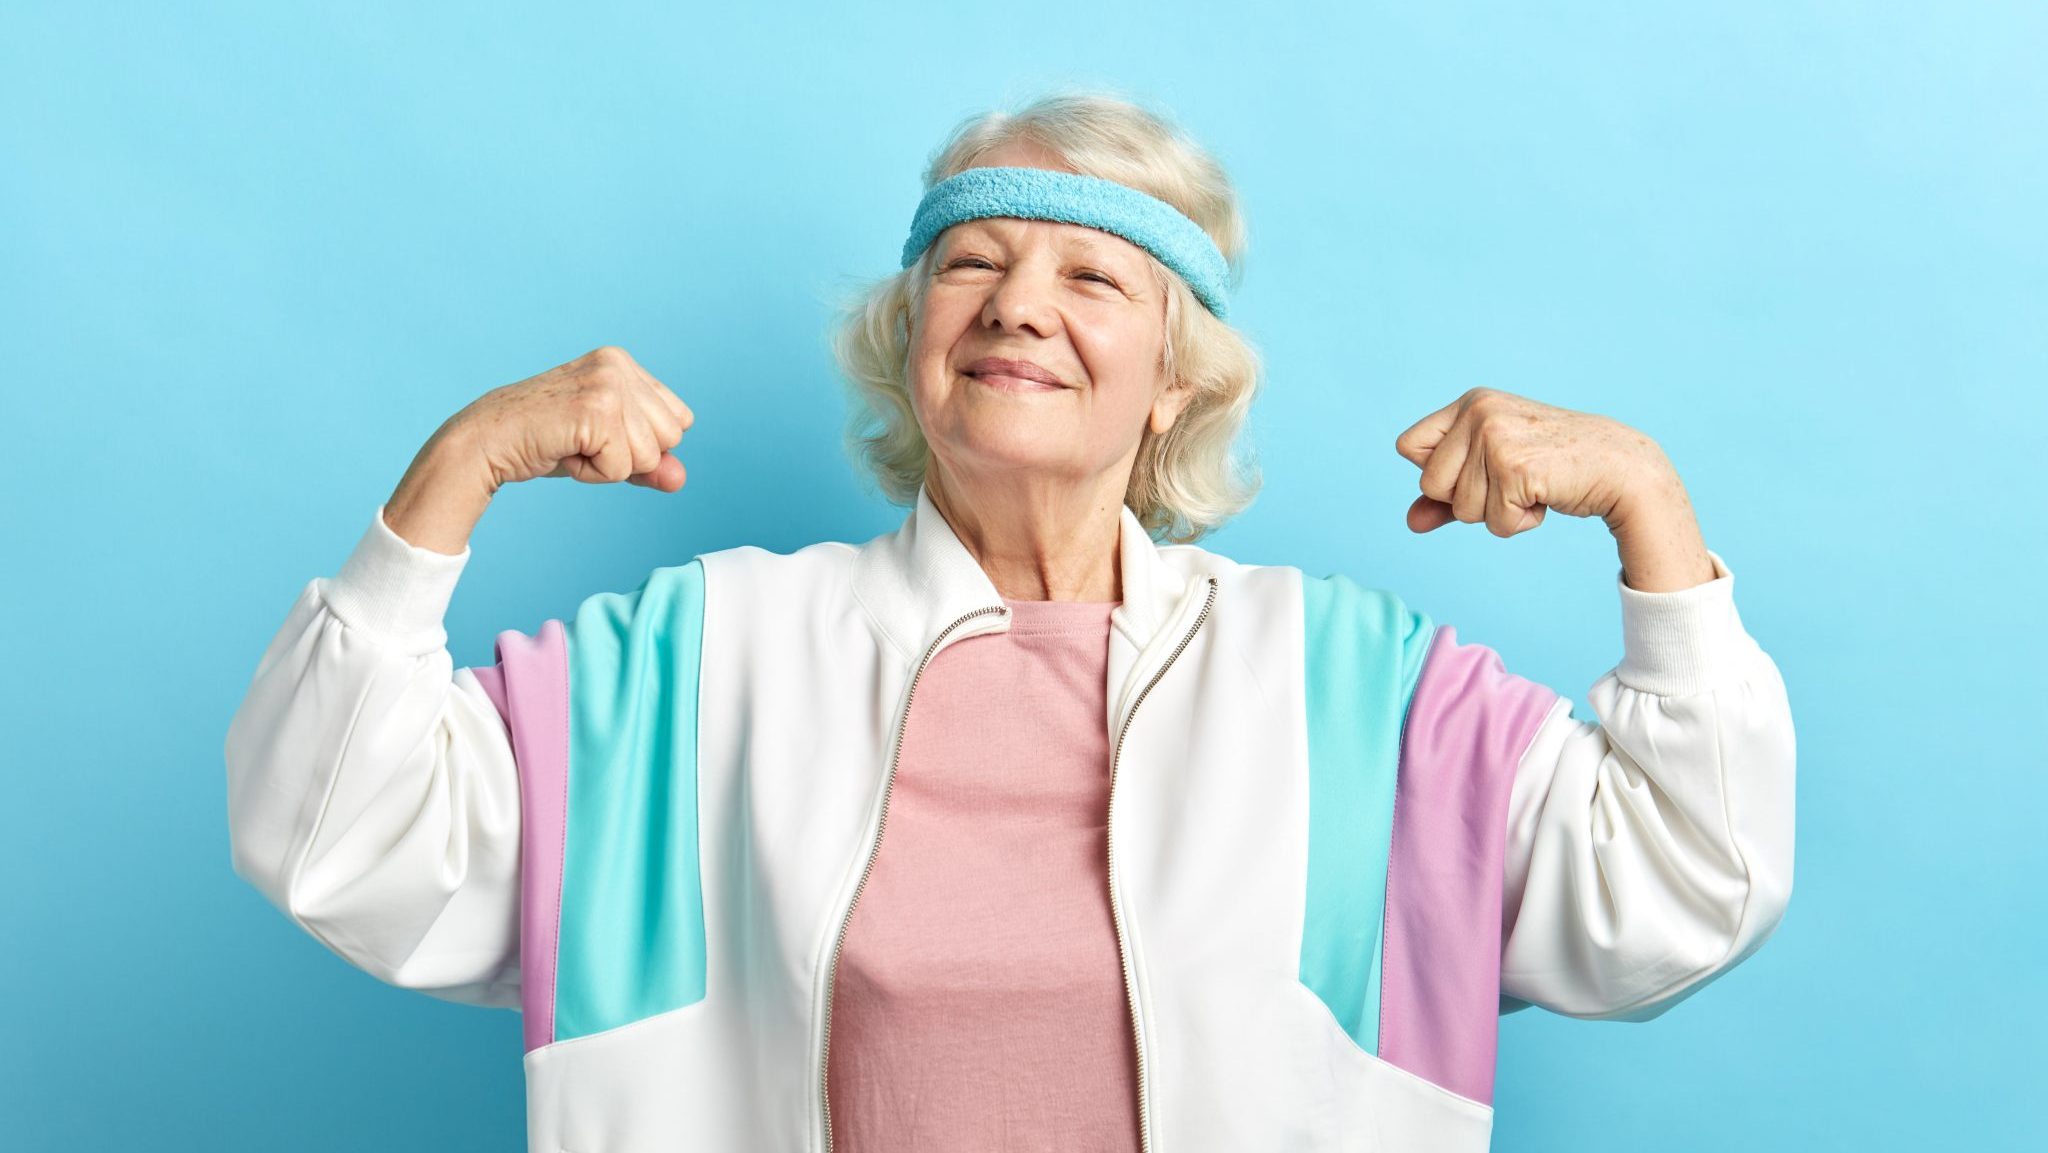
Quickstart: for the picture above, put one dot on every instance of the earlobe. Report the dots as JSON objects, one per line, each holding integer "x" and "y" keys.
{"x": 1173, "y": 403}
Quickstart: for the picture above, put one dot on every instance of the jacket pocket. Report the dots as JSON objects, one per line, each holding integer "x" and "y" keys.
{"x": 1376, "y": 1097}
{"x": 682, "y": 1079}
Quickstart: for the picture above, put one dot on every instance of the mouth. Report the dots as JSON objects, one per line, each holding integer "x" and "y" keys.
{"x": 1002, "y": 382}
{"x": 1013, "y": 375}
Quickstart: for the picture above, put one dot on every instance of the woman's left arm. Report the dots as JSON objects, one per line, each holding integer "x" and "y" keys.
{"x": 1651, "y": 852}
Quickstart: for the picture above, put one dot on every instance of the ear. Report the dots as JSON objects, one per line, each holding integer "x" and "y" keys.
{"x": 1167, "y": 407}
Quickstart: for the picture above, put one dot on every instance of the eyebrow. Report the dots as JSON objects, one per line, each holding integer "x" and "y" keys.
{"x": 1080, "y": 240}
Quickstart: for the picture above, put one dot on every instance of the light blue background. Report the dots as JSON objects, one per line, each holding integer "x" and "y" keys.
{"x": 251, "y": 255}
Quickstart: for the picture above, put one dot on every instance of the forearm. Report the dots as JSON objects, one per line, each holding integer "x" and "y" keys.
{"x": 442, "y": 496}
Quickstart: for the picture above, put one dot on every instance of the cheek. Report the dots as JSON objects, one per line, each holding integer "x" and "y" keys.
{"x": 946, "y": 316}
{"x": 926, "y": 354}
{"x": 1124, "y": 361}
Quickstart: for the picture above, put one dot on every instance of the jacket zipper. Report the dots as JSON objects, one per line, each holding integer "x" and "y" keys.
{"x": 1116, "y": 905}
{"x": 888, "y": 784}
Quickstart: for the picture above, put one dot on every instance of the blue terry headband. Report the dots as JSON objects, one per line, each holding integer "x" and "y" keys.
{"x": 1045, "y": 194}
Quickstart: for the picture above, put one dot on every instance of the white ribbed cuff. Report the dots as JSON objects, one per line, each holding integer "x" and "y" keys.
{"x": 395, "y": 588}
{"x": 1680, "y": 642}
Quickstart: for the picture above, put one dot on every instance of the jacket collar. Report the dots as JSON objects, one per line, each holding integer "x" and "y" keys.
{"x": 920, "y": 578}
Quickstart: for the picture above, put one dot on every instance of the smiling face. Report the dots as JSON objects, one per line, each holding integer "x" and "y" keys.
{"x": 1078, "y": 303}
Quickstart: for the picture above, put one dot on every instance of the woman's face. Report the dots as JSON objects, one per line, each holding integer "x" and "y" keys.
{"x": 1078, "y": 303}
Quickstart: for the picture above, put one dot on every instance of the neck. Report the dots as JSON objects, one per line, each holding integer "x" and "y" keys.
{"x": 1038, "y": 541}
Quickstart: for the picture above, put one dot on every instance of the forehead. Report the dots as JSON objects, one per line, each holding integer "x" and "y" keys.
{"x": 1014, "y": 231}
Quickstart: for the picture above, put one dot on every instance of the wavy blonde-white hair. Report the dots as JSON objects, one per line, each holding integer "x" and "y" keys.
{"x": 1186, "y": 481}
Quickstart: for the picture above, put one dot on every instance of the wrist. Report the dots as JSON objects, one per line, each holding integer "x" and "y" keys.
{"x": 1662, "y": 550}
{"x": 1653, "y": 494}
{"x": 443, "y": 494}
{"x": 1657, "y": 533}
{"x": 454, "y": 457}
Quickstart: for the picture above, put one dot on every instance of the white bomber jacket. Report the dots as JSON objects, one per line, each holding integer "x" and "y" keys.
{"x": 1341, "y": 841}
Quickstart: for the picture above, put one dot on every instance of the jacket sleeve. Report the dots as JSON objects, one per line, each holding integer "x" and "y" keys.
{"x": 1651, "y": 852}
{"x": 372, "y": 792}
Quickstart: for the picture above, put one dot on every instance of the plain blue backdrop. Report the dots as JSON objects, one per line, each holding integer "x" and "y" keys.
{"x": 251, "y": 255}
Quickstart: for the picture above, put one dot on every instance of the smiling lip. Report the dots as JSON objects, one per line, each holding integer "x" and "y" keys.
{"x": 1020, "y": 374}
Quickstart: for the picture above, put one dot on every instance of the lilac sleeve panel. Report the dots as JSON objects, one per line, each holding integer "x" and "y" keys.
{"x": 530, "y": 686}
{"x": 1468, "y": 722}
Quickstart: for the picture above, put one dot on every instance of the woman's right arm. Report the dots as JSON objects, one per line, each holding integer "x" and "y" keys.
{"x": 372, "y": 792}
{"x": 373, "y": 795}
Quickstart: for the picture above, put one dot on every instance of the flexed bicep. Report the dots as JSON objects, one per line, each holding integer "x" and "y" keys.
{"x": 1650, "y": 851}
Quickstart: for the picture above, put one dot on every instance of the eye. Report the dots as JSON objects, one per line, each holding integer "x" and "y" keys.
{"x": 1098, "y": 277}
{"x": 967, "y": 260}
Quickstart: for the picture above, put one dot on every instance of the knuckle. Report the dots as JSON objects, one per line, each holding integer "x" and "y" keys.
{"x": 600, "y": 399}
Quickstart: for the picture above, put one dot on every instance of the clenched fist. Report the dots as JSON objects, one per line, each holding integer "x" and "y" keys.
{"x": 1500, "y": 458}
{"x": 600, "y": 418}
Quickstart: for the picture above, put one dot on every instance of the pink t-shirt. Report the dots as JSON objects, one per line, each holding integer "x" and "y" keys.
{"x": 979, "y": 1001}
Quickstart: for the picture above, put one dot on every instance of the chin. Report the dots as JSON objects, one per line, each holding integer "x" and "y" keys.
{"x": 999, "y": 454}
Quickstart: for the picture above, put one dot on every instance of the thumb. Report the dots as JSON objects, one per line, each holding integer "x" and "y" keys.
{"x": 1426, "y": 514}
{"x": 666, "y": 476}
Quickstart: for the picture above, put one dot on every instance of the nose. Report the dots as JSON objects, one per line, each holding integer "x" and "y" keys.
{"x": 1021, "y": 301}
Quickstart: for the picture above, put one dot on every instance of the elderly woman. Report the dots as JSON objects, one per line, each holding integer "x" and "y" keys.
{"x": 1014, "y": 827}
